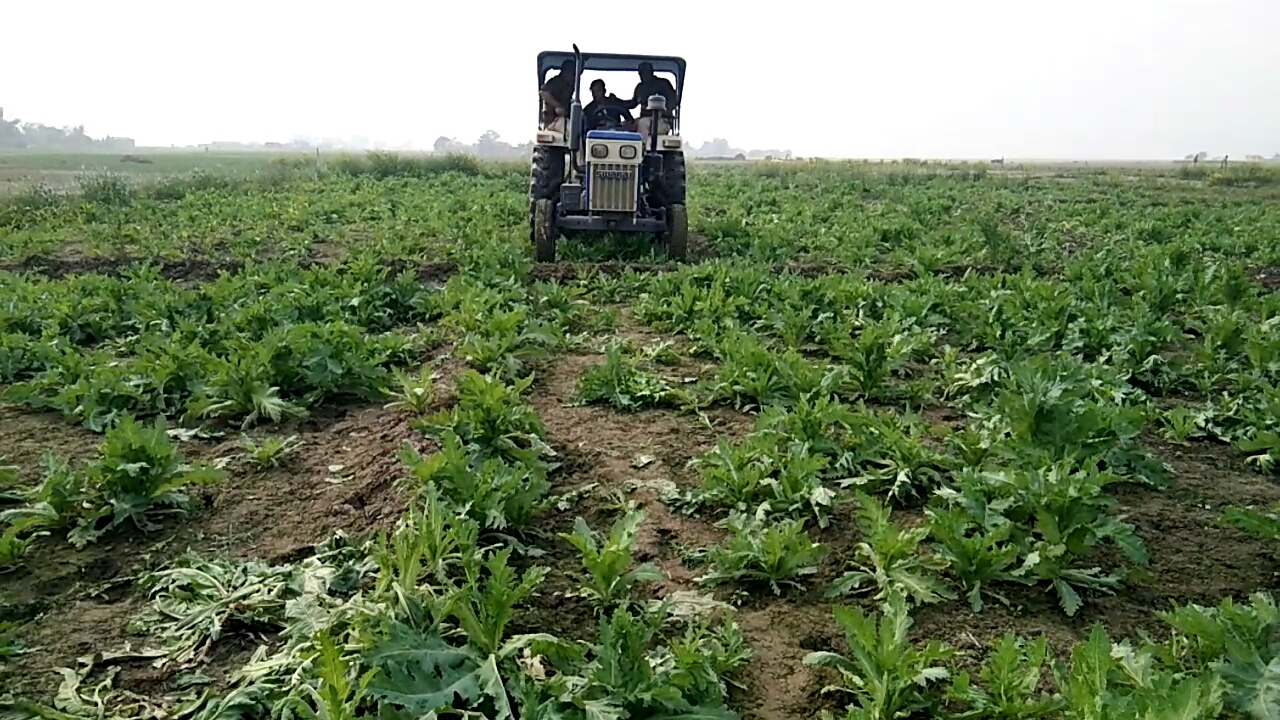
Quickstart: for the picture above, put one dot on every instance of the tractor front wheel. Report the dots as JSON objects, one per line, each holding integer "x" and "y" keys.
{"x": 677, "y": 235}
{"x": 546, "y": 174}
{"x": 542, "y": 226}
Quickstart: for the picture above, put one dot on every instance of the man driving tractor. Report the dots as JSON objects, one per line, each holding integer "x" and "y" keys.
{"x": 606, "y": 111}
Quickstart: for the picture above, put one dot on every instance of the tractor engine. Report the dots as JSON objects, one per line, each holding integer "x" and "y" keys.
{"x": 612, "y": 179}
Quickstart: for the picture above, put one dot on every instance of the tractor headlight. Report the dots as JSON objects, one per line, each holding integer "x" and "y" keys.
{"x": 628, "y": 152}
{"x": 599, "y": 151}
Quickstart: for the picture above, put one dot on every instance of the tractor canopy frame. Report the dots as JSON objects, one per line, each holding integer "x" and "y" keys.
{"x": 550, "y": 60}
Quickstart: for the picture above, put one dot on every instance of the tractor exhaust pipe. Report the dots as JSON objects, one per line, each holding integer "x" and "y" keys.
{"x": 575, "y": 107}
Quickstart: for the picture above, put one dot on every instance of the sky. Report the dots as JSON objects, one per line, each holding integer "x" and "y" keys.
{"x": 1086, "y": 79}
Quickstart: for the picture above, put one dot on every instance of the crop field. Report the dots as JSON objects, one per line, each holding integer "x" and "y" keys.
{"x": 19, "y": 171}
{"x": 896, "y": 442}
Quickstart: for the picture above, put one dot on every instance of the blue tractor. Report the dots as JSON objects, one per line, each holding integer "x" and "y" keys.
{"x": 601, "y": 172}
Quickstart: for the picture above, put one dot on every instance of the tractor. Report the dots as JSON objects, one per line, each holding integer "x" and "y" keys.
{"x": 611, "y": 172}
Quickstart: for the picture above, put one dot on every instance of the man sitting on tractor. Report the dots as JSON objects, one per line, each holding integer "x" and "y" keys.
{"x": 605, "y": 112}
{"x": 651, "y": 84}
{"x": 556, "y": 95}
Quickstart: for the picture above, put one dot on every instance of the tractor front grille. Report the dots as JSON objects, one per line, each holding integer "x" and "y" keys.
{"x": 613, "y": 187}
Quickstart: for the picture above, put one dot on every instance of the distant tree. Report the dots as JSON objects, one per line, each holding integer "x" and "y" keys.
{"x": 10, "y": 132}
{"x": 17, "y": 134}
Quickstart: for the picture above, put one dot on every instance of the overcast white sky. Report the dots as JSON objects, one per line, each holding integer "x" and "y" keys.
{"x": 916, "y": 78}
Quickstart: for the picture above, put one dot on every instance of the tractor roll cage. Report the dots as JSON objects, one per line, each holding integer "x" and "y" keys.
{"x": 550, "y": 60}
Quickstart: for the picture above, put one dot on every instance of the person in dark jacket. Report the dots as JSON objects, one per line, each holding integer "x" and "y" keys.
{"x": 557, "y": 93}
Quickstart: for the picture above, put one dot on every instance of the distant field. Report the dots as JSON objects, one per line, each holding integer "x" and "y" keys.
{"x": 59, "y": 170}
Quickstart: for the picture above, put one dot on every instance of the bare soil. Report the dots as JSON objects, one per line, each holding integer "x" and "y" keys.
{"x": 1268, "y": 277}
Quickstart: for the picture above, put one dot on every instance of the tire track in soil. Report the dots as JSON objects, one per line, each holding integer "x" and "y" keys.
{"x": 606, "y": 444}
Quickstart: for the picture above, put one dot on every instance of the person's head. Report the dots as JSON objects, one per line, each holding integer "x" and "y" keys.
{"x": 597, "y": 89}
{"x": 646, "y": 70}
{"x": 566, "y": 67}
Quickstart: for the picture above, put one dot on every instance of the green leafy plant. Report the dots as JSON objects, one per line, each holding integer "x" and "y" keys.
{"x": 1058, "y": 515}
{"x": 608, "y": 578}
{"x": 138, "y": 470}
{"x": 241, "y": 385}
{"x": 1052, "y": 411}
{"x": 337, "y": 696}
{"x": 885, "y": 673}
{"x": 1238, "y": 643}
{"x": 777, "y": 552}
{"x": 1181, "y": 424}
{"x": 421, "y": 674}
{"x": 1263, "y": 523}
{"x": 423, "y": 553}
{"x": 765, "y": 468}
{"x": 414, "y": 393}
{"x": 486, "y": 601}
{"x": 506, "y": 343}
{"x": 707, "y": 657}
{"x": 1011, "y": 683}
{"x": 137, "y": 474}
{"x": 270, "y": 452}
{"x": 980, "y": 554}
{"x": 890, "y": 560}
{"x": 1106, "y": 680}
{"x": 55, "y": 503}
{"x": 620, "y": 383}
{"x": 629, "y": 672}
{"x": 753, "y": 374}
{"x": 497, "y": 493}
{"x": 1264, "y": 449}
{"x": 494, "y": 418}
{"x": 10, "y": 644}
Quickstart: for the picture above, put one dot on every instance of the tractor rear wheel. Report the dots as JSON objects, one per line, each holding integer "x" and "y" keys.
{"x": 673, "y": 178}
{"x": 677, "y": 235}
{"x": 542, "y": 228}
